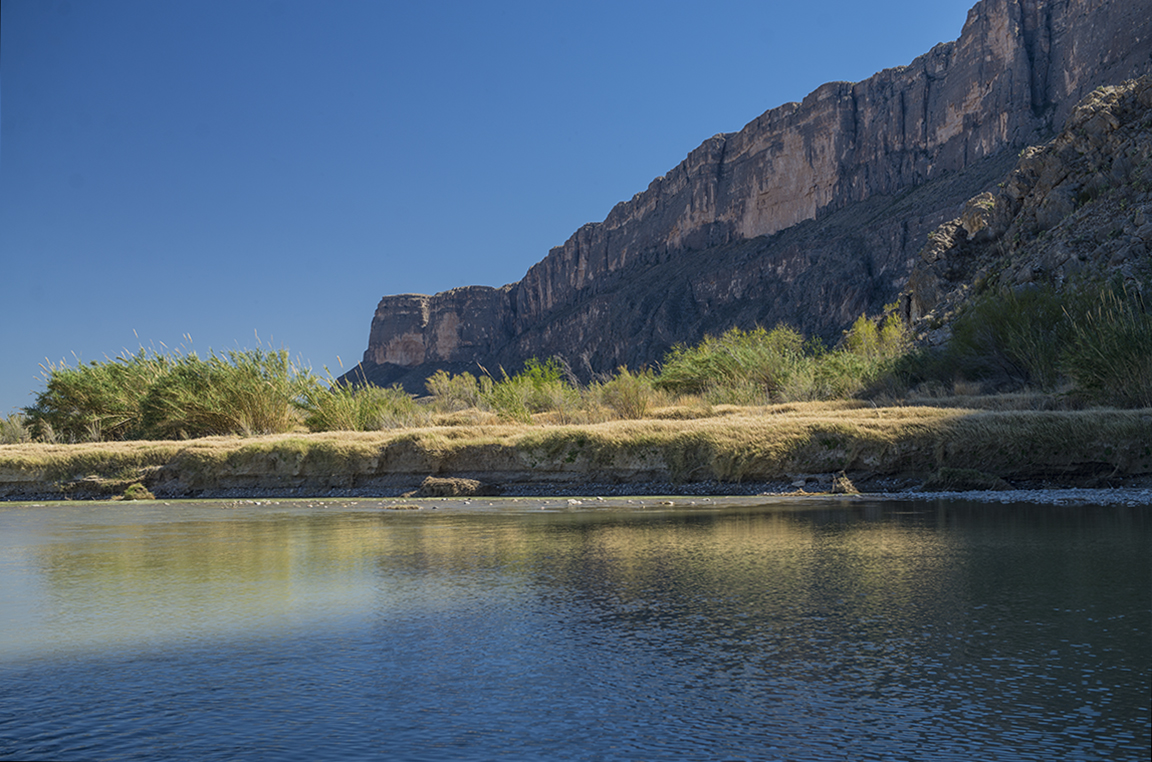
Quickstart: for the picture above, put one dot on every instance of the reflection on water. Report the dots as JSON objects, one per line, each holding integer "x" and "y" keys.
{"x": 783, "y": 631}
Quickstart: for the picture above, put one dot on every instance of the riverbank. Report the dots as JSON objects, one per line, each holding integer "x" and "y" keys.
{"x": 778, "y": 449}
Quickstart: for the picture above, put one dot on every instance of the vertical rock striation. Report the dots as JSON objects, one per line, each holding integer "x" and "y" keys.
{"x": 810, "y": 214}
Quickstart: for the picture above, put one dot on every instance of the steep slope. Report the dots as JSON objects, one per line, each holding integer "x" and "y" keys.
{"x": 811, "y": 214}
{"x": 1078, "y": 208}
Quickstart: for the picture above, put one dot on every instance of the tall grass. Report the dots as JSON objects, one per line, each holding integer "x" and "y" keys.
{"x": 759, "y": 367}
{"x": 367, "y": 408}
{"x": 149, "y": 395}
{"x": 740, "y": 366}
{"x": 629, "y": 395}
{"x": 452, "y": 393}
{"x": 1013, "y": 337}
{"x": 97, "y": 400}
{"x": 14, "y": 429}
{"x": 1094, "y": 342}
{"x": 1109, "y": 355}
{"x": 540, "y": 387}
{"x": 242, "y": 392}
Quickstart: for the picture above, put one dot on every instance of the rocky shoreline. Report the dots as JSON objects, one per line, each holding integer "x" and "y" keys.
{"x": 1136, "y": 493}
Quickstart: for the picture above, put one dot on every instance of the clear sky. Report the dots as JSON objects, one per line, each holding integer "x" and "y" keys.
{"x": 232, "y": 168}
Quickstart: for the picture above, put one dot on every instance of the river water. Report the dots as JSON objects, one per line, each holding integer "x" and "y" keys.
{"x": 741, "y": 629}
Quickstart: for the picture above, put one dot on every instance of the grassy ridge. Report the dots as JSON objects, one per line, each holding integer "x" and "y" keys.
{"x": 737, "y": 444}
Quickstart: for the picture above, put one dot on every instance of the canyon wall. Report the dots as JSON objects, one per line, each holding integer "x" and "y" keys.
{"x": 811, "y": 214}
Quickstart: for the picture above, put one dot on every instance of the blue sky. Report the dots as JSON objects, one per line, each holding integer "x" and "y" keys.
{"x": 242, "y": 168}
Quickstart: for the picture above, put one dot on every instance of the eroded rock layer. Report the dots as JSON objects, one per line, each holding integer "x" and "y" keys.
{"x": 811, "y": 214}
{"x": 1076, "y": 209}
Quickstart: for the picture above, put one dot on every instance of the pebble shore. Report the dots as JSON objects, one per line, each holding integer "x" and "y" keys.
{"x": 1069, "y": 496}
{"x": 1126, "y": 496}
{"x": 1120, "y": 496}
{"x": 882, "y": 490}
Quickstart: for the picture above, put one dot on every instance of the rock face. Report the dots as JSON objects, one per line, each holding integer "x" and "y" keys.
{"x": 812, "y": 214}
{"x": 1074, "y": 209}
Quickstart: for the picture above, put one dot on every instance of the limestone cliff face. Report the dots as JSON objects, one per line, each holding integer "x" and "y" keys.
{"x": 412, "y": 330}
{"x": 1074, "y": 209}
{"x": 800, "y": 216}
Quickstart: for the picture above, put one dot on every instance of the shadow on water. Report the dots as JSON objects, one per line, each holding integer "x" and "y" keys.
{"x": 859, "y": 630}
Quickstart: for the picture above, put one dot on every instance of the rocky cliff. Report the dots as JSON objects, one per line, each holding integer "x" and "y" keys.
{"x": 1076, "y": 209}
{"x": 812, "y": 214}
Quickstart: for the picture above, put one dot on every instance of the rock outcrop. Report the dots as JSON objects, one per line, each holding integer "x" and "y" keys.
{"x": 1076, "y": 209}
{"x": 812, "y": 214}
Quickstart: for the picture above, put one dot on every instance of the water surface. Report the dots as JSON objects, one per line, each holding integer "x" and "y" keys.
{"x": 810, "y": 630}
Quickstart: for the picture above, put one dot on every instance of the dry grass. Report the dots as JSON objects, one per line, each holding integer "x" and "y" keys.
{"x": 733, "y": 444}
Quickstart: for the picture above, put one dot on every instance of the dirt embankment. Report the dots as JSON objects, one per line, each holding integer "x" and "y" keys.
{"x": 802, "y": 446}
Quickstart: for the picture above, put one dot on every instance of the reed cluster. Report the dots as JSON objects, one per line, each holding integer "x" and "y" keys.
{"x": 153, "y": 395}
{"x": 1093, "y": 344}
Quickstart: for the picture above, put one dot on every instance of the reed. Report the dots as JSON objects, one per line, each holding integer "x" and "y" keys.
{"x": 539, "y": 388}
{"x": 454, "y": 393}
{"x": 96, "y": 400}
{"x": 14, "y": 429}
{"x": 368, "y": 408}
{"x": 629, "y": 395}
{"x": 1013, "y": 338}
{"x": 760, "y": 366}
{"x": 1109, "y": 355}
{"x": 247, "y": 392}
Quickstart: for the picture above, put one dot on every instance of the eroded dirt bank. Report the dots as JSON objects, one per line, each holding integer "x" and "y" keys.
{"x": 745, "y": 452}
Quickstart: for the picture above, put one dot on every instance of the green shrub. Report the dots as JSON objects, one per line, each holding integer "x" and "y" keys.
{"x": 14, "y": 429}
{"x": 366, "y": 408}
{"x": 97, "y": 400}
{"x": 742, "y": 363}
{"x": 1109, "y": 356}
{"x": 629, "y": 394}
{"x": 452, "y": 393}
{"x": 1012, "y": 337}
{"x": 243, "y": 392}
{"x": 870, "y": 360}
{"x": 844, "y": 373}
{"x": 756, "y": 367}
{"x": 137, "y": 492}
{"x": 540, "y": 387}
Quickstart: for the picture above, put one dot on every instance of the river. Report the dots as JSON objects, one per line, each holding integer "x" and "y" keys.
{"x": 756, "y": 629}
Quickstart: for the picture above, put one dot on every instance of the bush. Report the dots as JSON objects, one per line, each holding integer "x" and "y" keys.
{"x": 243, "y": 392}
{"x": 14, "y": 429}
{"x": 757, "y": 367}
{"x": 738, "y": 365}
{"x": 1012, "y": 338}
{"x": 154, "y": 396}
{"x": 95, "y": 401}
{"x": 366, "y": 408}
{"x": 628, "y": 394}
{"x": 137, "y": 492}
{"x": 453, "y": 393}
{"x": 540, "y": 387}
{"x": 1109, "y": 356}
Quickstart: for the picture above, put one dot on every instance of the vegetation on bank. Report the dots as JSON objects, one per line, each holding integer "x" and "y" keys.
{"x": 733, "y": 443}
{"x": 1080, "y": 347}
{"x": 1092, "y": 344}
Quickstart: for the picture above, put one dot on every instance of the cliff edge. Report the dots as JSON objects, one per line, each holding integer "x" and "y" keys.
{"x": 810, "y": 215}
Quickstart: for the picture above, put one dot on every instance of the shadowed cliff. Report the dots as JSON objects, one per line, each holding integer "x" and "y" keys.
{"x": 810, "y": 215}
